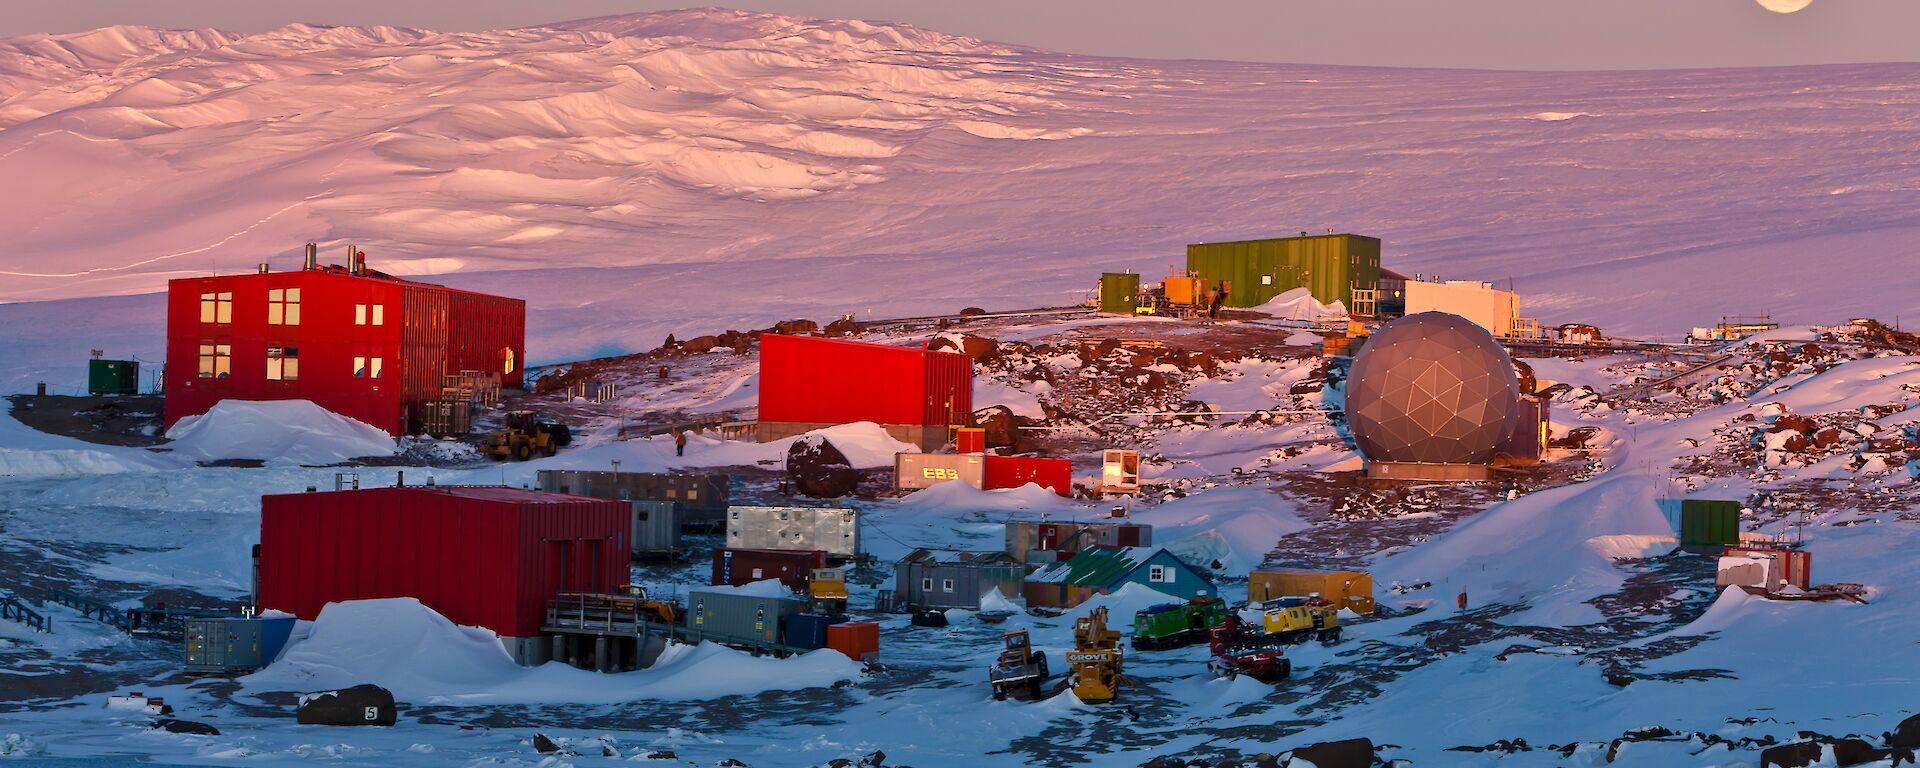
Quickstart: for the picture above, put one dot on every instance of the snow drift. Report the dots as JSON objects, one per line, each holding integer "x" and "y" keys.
{"x": 956, "y": 496}
{"x": 1299, "y": 304}
{"x": 1235, "y": 527}
{"x": 277, "y": 432}
{"x": 423, "y": 658}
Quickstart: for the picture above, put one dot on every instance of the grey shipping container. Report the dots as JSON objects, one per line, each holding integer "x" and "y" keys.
{"x": 701, "y": 499}
{"x": 729, "y": 617}
{"x": 232, "y": 644}
{"x": 656, "y": 526}
{"x": 933, "y": 579}
{"x": 914, "y": 471}
{"x": 446, "y": 418}
{"x": 832, "y": 530}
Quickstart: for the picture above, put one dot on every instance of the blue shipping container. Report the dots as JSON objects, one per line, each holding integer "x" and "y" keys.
{"x": 808, "y": 630}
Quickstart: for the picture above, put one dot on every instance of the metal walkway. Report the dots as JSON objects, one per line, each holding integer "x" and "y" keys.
{"x": 11, "y": 609}
{"x": 151, "y": 622}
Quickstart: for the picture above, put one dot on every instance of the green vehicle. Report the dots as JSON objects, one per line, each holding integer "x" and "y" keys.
{"x": 1172, "y": 625}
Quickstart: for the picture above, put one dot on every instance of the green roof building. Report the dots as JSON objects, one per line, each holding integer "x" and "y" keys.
{"x": 1104, "y": 570}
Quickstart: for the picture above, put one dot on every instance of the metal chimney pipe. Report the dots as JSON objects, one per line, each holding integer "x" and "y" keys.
{"x": 313, "y": 257}
{"x": 263, "y": 267}
{"x": 359, "y": 262}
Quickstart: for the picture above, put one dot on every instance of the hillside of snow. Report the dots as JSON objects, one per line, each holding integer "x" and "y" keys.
{"x": 683, "y": 172}
{"x": 1587, "y": 640}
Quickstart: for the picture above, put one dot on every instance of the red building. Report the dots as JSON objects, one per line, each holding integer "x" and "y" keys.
{"x": 808, "y": 382}
{"x": 357, "y": 342}
{"x": 483, "y": 557}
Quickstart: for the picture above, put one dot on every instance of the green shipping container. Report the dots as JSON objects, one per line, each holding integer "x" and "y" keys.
{"x": 113, "y": 377}
{"x": 1709, "y": 523}
{"x": 1330, "y": 267}
{"x": 1119, "y": 292}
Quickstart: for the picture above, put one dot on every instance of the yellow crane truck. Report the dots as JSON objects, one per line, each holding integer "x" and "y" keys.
{"x": 1096, "y": 659}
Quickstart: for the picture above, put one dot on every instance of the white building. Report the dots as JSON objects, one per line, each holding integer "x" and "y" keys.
{"x": 1480, "y": 303}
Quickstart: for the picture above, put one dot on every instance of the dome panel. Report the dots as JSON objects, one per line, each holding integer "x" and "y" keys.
{"x": 1431, "y": 388}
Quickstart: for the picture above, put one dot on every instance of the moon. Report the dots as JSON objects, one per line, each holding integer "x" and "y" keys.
{"x": 1784, "y": 6}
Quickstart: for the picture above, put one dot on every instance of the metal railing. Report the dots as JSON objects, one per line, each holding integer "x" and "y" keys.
{"x": 90, "y": 608}
{"x": 157, "y": 622}
{"x": 11, "y": 609}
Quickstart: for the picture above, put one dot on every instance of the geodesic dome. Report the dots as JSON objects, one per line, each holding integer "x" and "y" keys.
{"x": 1431, "y": 388}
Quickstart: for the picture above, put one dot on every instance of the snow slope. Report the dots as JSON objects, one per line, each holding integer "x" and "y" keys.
{"x": 768, "y": 167}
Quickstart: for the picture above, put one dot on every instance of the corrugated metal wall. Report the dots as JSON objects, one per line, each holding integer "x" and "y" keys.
{"x": 736, "y": 567}
{"x": 813, "y": 380}
{"x": 481, "y": 557}
{"x": 1119, "y": 292}
{"x": 1329, "y": 266}
{"x": 1015, "y": 471}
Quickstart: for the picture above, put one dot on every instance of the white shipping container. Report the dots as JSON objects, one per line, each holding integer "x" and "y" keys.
{"x": 832, "y": 530}
{"x": 914, "y": 471}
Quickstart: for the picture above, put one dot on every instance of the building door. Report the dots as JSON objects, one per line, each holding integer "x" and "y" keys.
{"x": 595, "y": 568}
{"x": 560, "y": 571}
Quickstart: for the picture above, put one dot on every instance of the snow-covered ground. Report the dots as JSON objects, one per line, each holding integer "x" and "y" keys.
{"x": 687, "y": 171}
{"x": 691, "y": 171}
{"x": 1582, "y": 624}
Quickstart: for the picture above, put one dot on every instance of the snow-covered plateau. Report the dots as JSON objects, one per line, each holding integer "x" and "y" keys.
{"x": 698, "y": 171}
{"x": 676, "y": 172}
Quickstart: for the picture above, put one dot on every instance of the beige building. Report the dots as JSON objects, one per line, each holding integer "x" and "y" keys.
{"x": 1482, "y": 304}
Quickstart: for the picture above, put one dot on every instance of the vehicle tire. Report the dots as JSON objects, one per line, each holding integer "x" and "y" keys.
{"x": 1330, "y": 637}
{"x": 999, "y": 692}
{"x": 496, "y": 456}
{"x": 551, "y": 448}
{"x": 561, "y": 434}
{"x": 522, "y": 450}
{"x": 1033, "y": 689}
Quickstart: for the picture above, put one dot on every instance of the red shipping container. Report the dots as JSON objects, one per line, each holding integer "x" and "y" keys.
{"x": 735, "y": 567}
{"x": 1015, "y": 471}
{"x": 859, "y": 640}
{"x": 484, "y": 557}
{"x": 1796, "y": 564}
{"x": 367, "y": 346}
{"x": 811, "y": 380}
{"x": 970, "y": 440}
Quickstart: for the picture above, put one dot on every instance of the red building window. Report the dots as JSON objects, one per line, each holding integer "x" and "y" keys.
{"x": 369, "y": 314}
{"x": 283, "y": 363}
{"x": 283, "y": 306}
{"x": 216, "y": 307}
{"x": 366, "y": 367}
{"x": 216, "y": 361}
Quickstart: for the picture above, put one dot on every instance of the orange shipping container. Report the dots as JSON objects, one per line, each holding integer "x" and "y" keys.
{"x": 1345, "y": 589}
{"x": 859, "y": 640}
